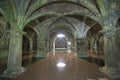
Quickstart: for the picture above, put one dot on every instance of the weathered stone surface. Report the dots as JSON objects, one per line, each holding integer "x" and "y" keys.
{"x": 15, "y": 55}
{"x": 82, "y": 47}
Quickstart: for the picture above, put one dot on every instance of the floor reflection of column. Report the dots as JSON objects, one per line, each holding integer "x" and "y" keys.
{"x": 51, "y": 58}
{"x": 30, "y": 58}
{"x": 69, "y": 59}
{"x": 69, "y": 56}
{"x": 48, "y": 61}
{"x": 61, "y": 56}
{"x": 75, "y": 68}
{"x": 67, "y": 66}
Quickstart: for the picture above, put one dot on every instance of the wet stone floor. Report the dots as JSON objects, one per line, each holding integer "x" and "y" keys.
{"x": 61, "y": 66}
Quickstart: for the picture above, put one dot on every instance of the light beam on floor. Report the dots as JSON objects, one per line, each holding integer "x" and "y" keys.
{"x": 61, "y": 64}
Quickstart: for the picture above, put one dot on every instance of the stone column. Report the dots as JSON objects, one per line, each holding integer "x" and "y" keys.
{"x": 41, "y": 51}
{"x": 53, "y": 48}
{"x": 50, "y": 45}
{"x": 30, "y": 49}
{"x": 31, "y": 45}
{"x": 14, "y": 67}
{"x": 82, "y": 47}
{"x": 69, "y": 46}
{"x": 75, "y": 46}
{"x": 47, "y": 46}
{"x": 111, "y": 53}
{"x": 91, "y": 45}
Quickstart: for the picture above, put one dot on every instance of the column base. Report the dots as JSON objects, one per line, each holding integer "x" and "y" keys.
{"x": 41, "y": 54}
{"x": 13, "y": 73}
{"x": 79, "y": 54}
{"x": 82, "y": 55}
{"x": 112, "y": 73}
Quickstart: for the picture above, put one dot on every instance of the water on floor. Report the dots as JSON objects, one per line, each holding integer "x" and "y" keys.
{"x": 61, "y": 66}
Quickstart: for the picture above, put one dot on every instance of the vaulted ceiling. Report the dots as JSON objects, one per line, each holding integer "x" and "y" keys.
{"x": 42, "y": 14}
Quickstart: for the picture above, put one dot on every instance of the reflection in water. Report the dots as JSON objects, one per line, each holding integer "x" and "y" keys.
{"x": 61, "y": 64}
{"x": 69, "y": 51}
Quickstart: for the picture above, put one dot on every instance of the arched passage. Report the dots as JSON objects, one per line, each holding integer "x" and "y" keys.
{"x": 29, "y": 42}
{"x": 61, "y": 42}
{"x": 19, "y": 13}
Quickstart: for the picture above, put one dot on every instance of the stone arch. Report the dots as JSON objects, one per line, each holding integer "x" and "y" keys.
{"x": 118, "y": 23}
{"x": 118, "y": 30}
{"x": 73, "y": 27}
{"x": 58, "y": 2}
{"x": 67, "y": 23}
{"x": 36, "y": 13}
{"x": 60, "y": 28}
{"x": 46, "y": 30}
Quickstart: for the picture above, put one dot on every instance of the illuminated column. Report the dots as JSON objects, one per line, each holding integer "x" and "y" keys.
{"x": 53, "y": 47}
{"x": 69, "y": 45}
{"x": 74, "y": 45}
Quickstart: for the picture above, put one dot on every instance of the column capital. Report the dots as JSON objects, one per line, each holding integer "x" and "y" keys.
{"x": 80, "y": 38}
{"x": 16, "y": 33}
{"x": 109, "y": 31}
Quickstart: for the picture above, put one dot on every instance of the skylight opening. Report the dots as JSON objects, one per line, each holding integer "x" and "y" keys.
{"x": 60, "y": 35}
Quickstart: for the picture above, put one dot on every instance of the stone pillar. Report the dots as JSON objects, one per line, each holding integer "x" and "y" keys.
{"x": 82, "y": 48}
{"x": 14, "y": 67}
{"x": 91, "y": 45}
{"x": 31, "y": 45}
{"x": 74, "y": 49}
{"x": 69, "y": 46}
{"x": 50, "y": 45}
{"x": 41, "y": 51}
{"x": 111, "y": 53}
{"x": 53, "y": 47}
{"x": 47, "y": 46}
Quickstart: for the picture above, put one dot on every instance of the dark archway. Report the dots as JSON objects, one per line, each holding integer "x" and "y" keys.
{"x": 61, "y": 43}
{"x": 29, "y": 47}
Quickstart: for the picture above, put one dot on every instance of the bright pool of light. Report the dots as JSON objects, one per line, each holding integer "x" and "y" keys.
{"x": 61, "y": 64}
{"x": 69, "y": 43}
{"x": 60, "y": 35}
{"x": 69, "y": 51}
